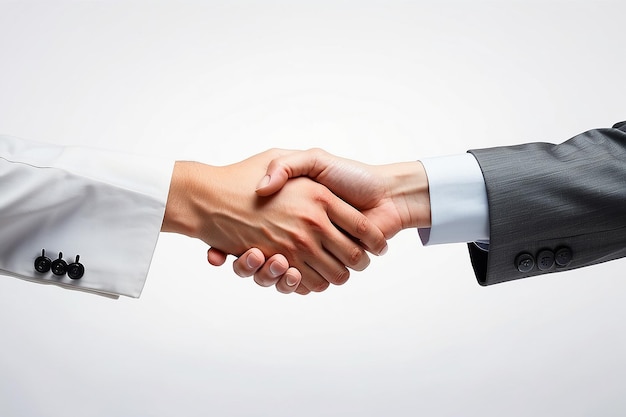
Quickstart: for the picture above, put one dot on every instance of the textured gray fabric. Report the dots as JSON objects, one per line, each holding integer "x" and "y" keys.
{"x": 545, "y": 196}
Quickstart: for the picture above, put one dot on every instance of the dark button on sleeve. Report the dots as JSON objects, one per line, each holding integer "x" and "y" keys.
{"x": 43, "y": 263}
{"x": 59, "y": 266}
{"x": 545, "y": 260}
{"x": 563, "y": 256}
{"x": 524, "y": 262}
{"x": 75, "y": 270}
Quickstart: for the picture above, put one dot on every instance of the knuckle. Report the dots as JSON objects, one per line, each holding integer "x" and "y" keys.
{"x": 356, "y": 255}
{"x": 359, "y": 259}
{"x": 317, "y": 151}
{"x": 362, "y": 225}
{"x": 322, "y": 196}
{"x": 302, "y": 243}
{"x": 340, "y": 277}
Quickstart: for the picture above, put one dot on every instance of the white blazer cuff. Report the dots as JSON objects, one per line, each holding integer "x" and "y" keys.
{"x": 105, "y": 206}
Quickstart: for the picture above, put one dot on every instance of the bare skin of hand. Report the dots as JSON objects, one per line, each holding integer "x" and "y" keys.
{"x": 218, "y": 205}
{"x": 273, "y": 271}
{"x": 393, "y": 196}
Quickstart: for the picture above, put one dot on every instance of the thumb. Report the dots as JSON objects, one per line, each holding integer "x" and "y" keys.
{"x": 274, "y": 179}
{"x": 281, "y": 169}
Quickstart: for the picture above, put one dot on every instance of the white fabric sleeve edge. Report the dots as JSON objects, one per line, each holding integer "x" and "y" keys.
{"x": 141, "y": 183}
{"x": 458, "y": 201}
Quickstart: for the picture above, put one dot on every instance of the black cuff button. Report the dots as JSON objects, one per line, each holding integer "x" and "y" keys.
{"x": 43, "y": 263}
{"x": 59, "y": 266}
{"x": 563, "y": 257}
{"x": 545, "y": 260}
{"x": 75, "y": 270}
{"x": 524, "y": 262}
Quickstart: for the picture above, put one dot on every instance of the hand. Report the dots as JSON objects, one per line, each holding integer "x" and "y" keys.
{"x": 217, "y": 205}
{"x": 393, "y": 197}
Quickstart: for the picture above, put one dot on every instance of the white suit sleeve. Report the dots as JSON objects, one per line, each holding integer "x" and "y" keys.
{"x": 106, "y": 207}
{"x": 458, "y": 201}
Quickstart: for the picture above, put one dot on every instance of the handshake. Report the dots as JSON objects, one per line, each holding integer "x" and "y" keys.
{"x": 296, "y": 219}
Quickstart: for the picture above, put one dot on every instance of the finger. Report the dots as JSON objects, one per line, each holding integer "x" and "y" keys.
{"x": 296, "y": 164}
{"x": 289, "y": 282}
{"x": 302, "y": 290}
{"x": 273, "y": 269}
{"x": 311, "y": 280}
{"x": 319, "y": 269}
{"x": 347, "y": 251}
{"x": 355, "y": 224}
{"x": 216, "y": 257}
{"x": 267, "y": 273}
{"x": 249, "y": 263}
{"x": 326, "y": 270}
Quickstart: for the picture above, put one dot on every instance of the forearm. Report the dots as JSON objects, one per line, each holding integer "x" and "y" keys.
{"x": 545, "y": 197}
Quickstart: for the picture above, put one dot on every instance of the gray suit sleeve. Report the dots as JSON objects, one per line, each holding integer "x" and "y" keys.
{"x": 553, "y": 207}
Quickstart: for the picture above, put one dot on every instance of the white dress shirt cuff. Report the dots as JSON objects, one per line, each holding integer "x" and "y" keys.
{"x": 458, "y": 201}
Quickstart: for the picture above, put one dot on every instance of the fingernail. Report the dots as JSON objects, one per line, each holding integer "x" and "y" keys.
{"x": 264, "y": 182}
{"x": 291, "y": 280}
{"x": 384, "y": 251}
{"x": 253, "y": 262}
{"x": 276, "y": 269}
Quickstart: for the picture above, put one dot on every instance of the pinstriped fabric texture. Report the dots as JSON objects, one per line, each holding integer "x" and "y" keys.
{"x": 544, "y": 196}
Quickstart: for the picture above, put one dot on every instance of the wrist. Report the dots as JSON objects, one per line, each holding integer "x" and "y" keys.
{"x": 179, "y": 210}
{"x": 409, "y": 191}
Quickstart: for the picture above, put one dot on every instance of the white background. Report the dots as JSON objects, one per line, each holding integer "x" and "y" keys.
{"x": 381, "y": 82}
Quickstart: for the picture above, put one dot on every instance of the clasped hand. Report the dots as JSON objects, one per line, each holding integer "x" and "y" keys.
{"x": 390, "y": 198}
{"x": 305, "y": 226}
